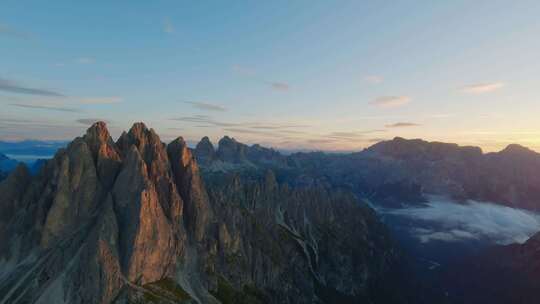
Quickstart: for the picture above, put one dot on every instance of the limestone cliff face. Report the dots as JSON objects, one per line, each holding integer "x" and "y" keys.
{"x": 133, "y": 222}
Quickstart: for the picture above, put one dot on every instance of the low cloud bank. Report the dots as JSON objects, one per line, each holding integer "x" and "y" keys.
{"x": 444, "y": 220}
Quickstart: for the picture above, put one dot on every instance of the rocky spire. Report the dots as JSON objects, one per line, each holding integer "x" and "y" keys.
{"x": 154, "y": 154}
{"x": 188, "y": 181}
{"x": 104, "y": 151}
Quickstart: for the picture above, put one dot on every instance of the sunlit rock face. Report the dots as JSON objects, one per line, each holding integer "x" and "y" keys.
{"x": 133, "y": 221}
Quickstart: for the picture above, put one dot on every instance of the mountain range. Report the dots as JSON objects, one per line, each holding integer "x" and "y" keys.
{"x": 139, "y": 221}
{"x": 133, "y": 221}
{"x": 397, "y": 171}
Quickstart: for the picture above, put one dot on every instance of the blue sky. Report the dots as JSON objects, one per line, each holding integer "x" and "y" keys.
{"x": 289, "y": 74}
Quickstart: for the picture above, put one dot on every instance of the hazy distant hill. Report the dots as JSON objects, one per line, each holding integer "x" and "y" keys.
{"x": 31, "y": 149}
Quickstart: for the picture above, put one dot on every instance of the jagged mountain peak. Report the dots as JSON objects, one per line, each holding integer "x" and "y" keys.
{"x": 98, "y": 130}
{"x": 140, "y": 136}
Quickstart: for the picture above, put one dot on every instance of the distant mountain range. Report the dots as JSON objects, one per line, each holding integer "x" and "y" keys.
{"x": 39, "y": 148}
{"x": 398, "y": 171}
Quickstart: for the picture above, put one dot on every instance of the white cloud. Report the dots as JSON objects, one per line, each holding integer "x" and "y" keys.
{"x": 45, "y": 107}
{"x": 11, "y": 86}
{"x": 206, "y": 106}
{"x": 480, "y": 88}
{"x": 280, "y": 86}
{"x": 451, "y": 221}
{"x": 390, "y": 101}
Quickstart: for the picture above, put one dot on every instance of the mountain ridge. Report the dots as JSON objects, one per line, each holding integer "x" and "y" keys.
{"x": 133, "y": 221}
{"x": 402, "y": 171}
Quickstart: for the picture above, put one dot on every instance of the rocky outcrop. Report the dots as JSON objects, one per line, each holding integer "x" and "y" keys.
{"x": 232, "y": 151}
{"x": 132, "y": 221}
{"x": 205, "y": 151}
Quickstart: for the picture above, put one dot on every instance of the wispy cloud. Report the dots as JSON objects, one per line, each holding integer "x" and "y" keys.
{"x": 373, "y": 79}
{"x": 251, "y": 131}
{"x": 11, "y": 86}
{"x": 280, "y": 86}
{"x": 277, "y": 126}
{"x": 206, "y": 106}
{"x": 45, "y": 107}
{"x": 480, "y": 88}
{"x": 351, "y": 136}
{"x": 390, "y": 101}
{"x": 375, "y": 140}
{"x": 402, "y": 125}
{"x": 101, "y": 100}
{"x": 243, "y": 127}
{"x": 321, "y": 141}
{"x": 90, "y": 121}
{"x": 168, "y": 26}
{"x": 345, "y": 135}
{"x": 205, "y": 120}
{"x": 251, "y": 73}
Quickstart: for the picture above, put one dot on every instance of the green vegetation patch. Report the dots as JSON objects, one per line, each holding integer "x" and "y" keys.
{"x": 249, "y": 294}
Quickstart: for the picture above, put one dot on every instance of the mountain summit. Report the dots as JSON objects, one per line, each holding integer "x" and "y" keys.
{"x": 132, "y": 221}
